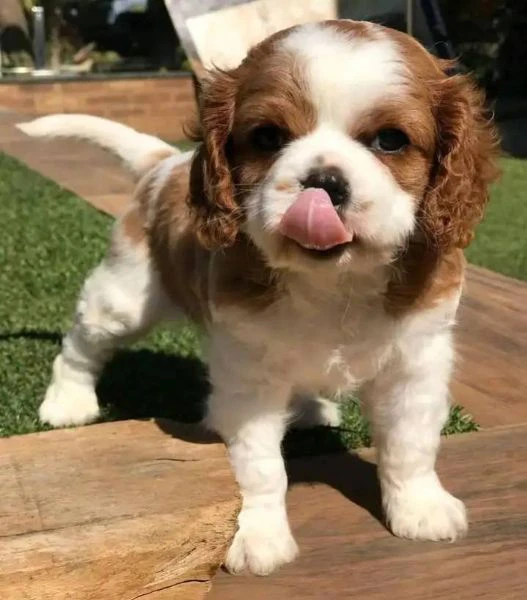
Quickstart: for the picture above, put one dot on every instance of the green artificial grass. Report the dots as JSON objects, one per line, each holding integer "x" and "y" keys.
{"x": 501, "y": 240}
{"x": 51, "y": 239}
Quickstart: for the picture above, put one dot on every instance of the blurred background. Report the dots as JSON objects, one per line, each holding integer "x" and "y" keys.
{"x": 65, "y": 39}
{"x": 138, "y": 35}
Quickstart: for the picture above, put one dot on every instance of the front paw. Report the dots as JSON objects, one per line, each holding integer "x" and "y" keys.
{"x": 262, "y": 543}
{"x": 68, "y": 404}
{"x": 423, "y": 510}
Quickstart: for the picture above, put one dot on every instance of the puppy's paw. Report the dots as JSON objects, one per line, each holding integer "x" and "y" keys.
{"x": 262, "y": 543}
{"x": 67, "y": 404}
{"x": 424, "y": 510}
{"x": 313, "y": 411}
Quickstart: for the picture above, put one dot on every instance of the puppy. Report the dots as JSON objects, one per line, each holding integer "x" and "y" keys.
{"x": 317, "y": 235}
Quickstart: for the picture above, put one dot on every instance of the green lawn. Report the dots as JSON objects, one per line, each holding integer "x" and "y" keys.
{"x": 50, "y": 239}
{"x": 501, "y": 240}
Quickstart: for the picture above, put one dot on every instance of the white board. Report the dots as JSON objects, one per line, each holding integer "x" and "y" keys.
{"x": 220, "y": 32}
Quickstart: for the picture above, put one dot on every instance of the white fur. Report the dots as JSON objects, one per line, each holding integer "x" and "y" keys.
{"x": 334, "y": 337}
{"x": 133, "y": 148}
{"x": 120, "y": 300}
{"x": 329, "y": 332}
{"x": 314, "y": 411}
{"x": 158, "y": 178}
{"x": 408, "y": 406}
{"x": 422, "y": 509}
{"x": 381, "y": 213}
{"x": 345, "y": 77}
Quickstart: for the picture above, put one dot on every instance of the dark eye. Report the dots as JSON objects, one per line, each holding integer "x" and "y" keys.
{"x": 269, "y": 138}
{"x": 390, "y": 140}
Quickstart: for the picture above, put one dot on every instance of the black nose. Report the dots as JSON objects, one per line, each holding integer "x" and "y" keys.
{"x": 330, "y": 179}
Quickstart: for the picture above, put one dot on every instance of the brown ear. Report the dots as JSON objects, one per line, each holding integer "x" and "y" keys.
{"x": 211, "y": 187}
{"x": 465, "y": 165}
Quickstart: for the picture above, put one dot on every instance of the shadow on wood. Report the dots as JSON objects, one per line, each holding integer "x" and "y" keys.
{"x": 345, "y": 553}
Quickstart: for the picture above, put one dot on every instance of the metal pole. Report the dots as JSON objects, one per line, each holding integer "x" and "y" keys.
{"x": 410, "y": 17}
{"x": 39, "y": 37}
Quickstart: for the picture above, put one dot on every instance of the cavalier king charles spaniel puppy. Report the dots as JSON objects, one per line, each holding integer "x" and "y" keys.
{"x": 317, "y": 235}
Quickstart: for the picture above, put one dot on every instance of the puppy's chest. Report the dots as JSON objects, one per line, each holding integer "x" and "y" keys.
{"x": 335, "y": 344}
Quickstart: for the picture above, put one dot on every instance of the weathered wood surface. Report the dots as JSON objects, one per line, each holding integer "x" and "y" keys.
{"x": 113, "y": 511}
{"x": 345, "y": 552}
{"x": 491, "y": 375}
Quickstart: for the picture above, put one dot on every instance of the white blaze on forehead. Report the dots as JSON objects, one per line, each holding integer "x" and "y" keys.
{"x": 347, "y": 73}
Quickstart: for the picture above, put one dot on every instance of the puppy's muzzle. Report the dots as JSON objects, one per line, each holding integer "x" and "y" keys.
{"x": 332, "y": 180}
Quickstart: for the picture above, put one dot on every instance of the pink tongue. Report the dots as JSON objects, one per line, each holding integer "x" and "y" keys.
{"x": 313, "y": 222}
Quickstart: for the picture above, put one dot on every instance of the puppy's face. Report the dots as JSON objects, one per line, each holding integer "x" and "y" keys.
{"x": 334, "y": 144}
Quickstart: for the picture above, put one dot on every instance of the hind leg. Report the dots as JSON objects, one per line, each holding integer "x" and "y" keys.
{"x": 121, "y": 300}
{"x": 310, "y": 410}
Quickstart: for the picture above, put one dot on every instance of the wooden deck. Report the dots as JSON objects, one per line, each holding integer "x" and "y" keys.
{"x": 114, "y": 511}
{"x": 491, "y": 375}
{"x": 135, "y": 509}
{"x": 345, "y": 552}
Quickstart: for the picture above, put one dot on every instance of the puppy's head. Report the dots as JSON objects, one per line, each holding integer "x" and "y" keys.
{"x": 335, "y": 144}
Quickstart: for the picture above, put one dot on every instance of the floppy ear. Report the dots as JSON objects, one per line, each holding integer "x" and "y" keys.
{"x": 211, "y": 196}
{"x": 464, "y": 168}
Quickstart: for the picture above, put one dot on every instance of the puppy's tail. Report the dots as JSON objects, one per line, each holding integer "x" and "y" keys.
{"x": 138, "y": 151}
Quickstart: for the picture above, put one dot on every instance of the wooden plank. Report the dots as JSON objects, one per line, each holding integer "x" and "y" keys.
{"x": 491, "y": 376}
{"x": 345, "y": 551}
{"x": 117, "y": 510}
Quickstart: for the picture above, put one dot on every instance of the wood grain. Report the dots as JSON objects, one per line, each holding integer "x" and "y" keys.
{"x": 114, "y": 511}
{"x": 346, "y": 552}
{"x": 491, "y": 375}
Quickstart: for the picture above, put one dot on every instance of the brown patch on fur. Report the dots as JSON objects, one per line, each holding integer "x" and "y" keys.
{"x": 466, "y": 149}
{"x": 423, "y": 278}
{"x": 411, "y": 171}
{"x": 450, "y": 176}
{"x": 267, "y": 88}
{"x": 180, "y": 259}
{"x": 132, "y": 226}
{"x": 274, "y": 92}
{"x": 239, "y": 274}
{"x": 465, "y": 165}
{"x": 411, "y": 167}
{"x": 242, "y": 278}
{"x": 447, "y": 169}
{"x": 412, "y": 114}
{"x": 285, "y": 186}
{"x": 212, "y": 190}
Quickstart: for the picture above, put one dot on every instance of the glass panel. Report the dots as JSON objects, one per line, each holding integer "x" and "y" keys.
{"x": 73, "y": 37}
